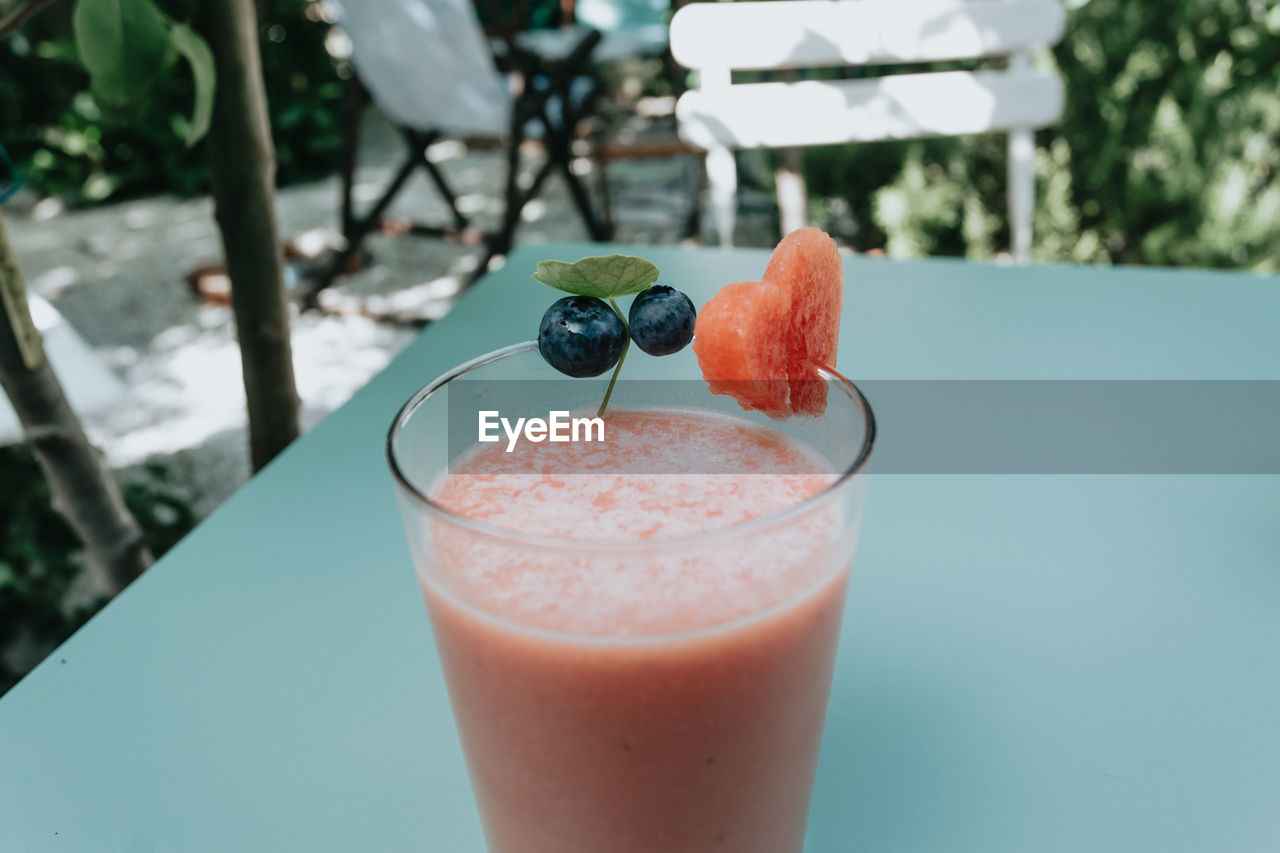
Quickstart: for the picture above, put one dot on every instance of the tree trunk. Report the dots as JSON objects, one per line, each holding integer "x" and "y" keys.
{"x": 243, "y": 163}
{"x": 83, "y": 489}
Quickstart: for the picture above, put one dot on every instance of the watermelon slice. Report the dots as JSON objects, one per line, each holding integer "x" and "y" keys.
{"x": 738, "y": 346}
{"x": 751, "y": 336}
{"x": 806, "y": 264}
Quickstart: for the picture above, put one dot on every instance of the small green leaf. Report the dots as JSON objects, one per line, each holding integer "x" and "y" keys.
{"x": 195, "y": 50}
{"x": 603, "y": 276}
{"x": 124, "y": 45}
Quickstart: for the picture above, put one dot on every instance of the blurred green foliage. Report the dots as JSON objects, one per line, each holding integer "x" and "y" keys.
{"x": 1167, "y": 151}
{"x": 42, "y": 594}
{"x": 55, "y": 132}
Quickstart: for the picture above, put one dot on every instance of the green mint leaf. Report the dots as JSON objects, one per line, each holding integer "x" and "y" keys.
{"x": 602, "y": 276}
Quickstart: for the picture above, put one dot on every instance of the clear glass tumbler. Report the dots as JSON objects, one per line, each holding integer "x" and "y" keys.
{"x": 623, "y": 737}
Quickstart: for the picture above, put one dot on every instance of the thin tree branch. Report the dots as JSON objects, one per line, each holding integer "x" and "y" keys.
{"x": 82, "y": 487}
{"x": 243, "y": 168}
{"x": 11, "y": 22}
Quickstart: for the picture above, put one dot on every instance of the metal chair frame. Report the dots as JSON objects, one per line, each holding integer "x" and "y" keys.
{"x": 530, "y": 108}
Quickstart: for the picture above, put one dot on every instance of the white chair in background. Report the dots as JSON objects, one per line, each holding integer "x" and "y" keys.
{"x": 430, "y": 69}
{"x": 720, "y": 116}
{"x": 426, "y": 64}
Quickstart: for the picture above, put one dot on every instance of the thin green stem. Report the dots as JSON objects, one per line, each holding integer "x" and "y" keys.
{"x": 626, "y": 345}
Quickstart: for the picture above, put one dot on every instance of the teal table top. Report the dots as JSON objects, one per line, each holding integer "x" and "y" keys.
{"x": 1047, "y": 663}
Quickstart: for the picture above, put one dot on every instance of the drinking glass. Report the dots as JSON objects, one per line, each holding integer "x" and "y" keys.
{"x": 629, "y": 736}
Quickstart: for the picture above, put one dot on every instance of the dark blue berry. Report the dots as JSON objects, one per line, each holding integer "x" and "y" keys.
{"x": 581, "y": 336}
{"x": 661, "y": 320}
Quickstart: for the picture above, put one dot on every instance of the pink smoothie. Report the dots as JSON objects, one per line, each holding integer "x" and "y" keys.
{"x": 646, "y": 688}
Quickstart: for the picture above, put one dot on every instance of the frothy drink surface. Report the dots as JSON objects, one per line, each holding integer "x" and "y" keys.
{"x": 645, "y": 484}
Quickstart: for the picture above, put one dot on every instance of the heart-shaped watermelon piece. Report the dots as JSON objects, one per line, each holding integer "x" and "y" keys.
{"x": 760, "y": 341}
{"x": 738, "y": 346}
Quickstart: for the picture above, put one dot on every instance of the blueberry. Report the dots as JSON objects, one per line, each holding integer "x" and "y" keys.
{"x": 661, "y": 320}
{"x": 581, "y": 336}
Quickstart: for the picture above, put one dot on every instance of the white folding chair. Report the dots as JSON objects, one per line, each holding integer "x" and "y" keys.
{"x": 430, "y": 69}
{"x": 719, "y": 38}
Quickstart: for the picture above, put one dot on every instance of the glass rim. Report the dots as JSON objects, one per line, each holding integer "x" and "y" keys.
{"x": 419, "y": 397}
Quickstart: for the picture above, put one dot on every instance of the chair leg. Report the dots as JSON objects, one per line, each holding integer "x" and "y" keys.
{"x": 459, "y": 219}
{"x": 693, "y": 221}
{"x": 558, "y": 150}
{"x": 420, "y": 142}
{"x": 501, "y": 242}
{"x": 1022, "y": 191}
{"x": 558, "y": 140}
{"x": 360, "y": 228}
{"x": 355, "y": 99}
{"x": 374, "y": 217}
{"x": 538, "y": 180}
{"x": 514, "y": 199}
{"x": 602, "y": 190}
{"x": 722, "y": 176}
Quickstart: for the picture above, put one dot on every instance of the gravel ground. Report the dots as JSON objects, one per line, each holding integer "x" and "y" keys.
{"x": 118, "y": 275}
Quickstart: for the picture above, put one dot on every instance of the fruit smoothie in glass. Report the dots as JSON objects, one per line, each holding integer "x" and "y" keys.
{"x": 638, "y": 634}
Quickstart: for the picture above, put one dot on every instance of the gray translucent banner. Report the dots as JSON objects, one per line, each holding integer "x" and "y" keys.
{"x": 946, "y": 427}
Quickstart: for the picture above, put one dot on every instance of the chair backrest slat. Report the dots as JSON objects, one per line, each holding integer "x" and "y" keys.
{"x": 719, "y": 38}
{"x": 814, "y": 33}
{"x": 903, "y": 106}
